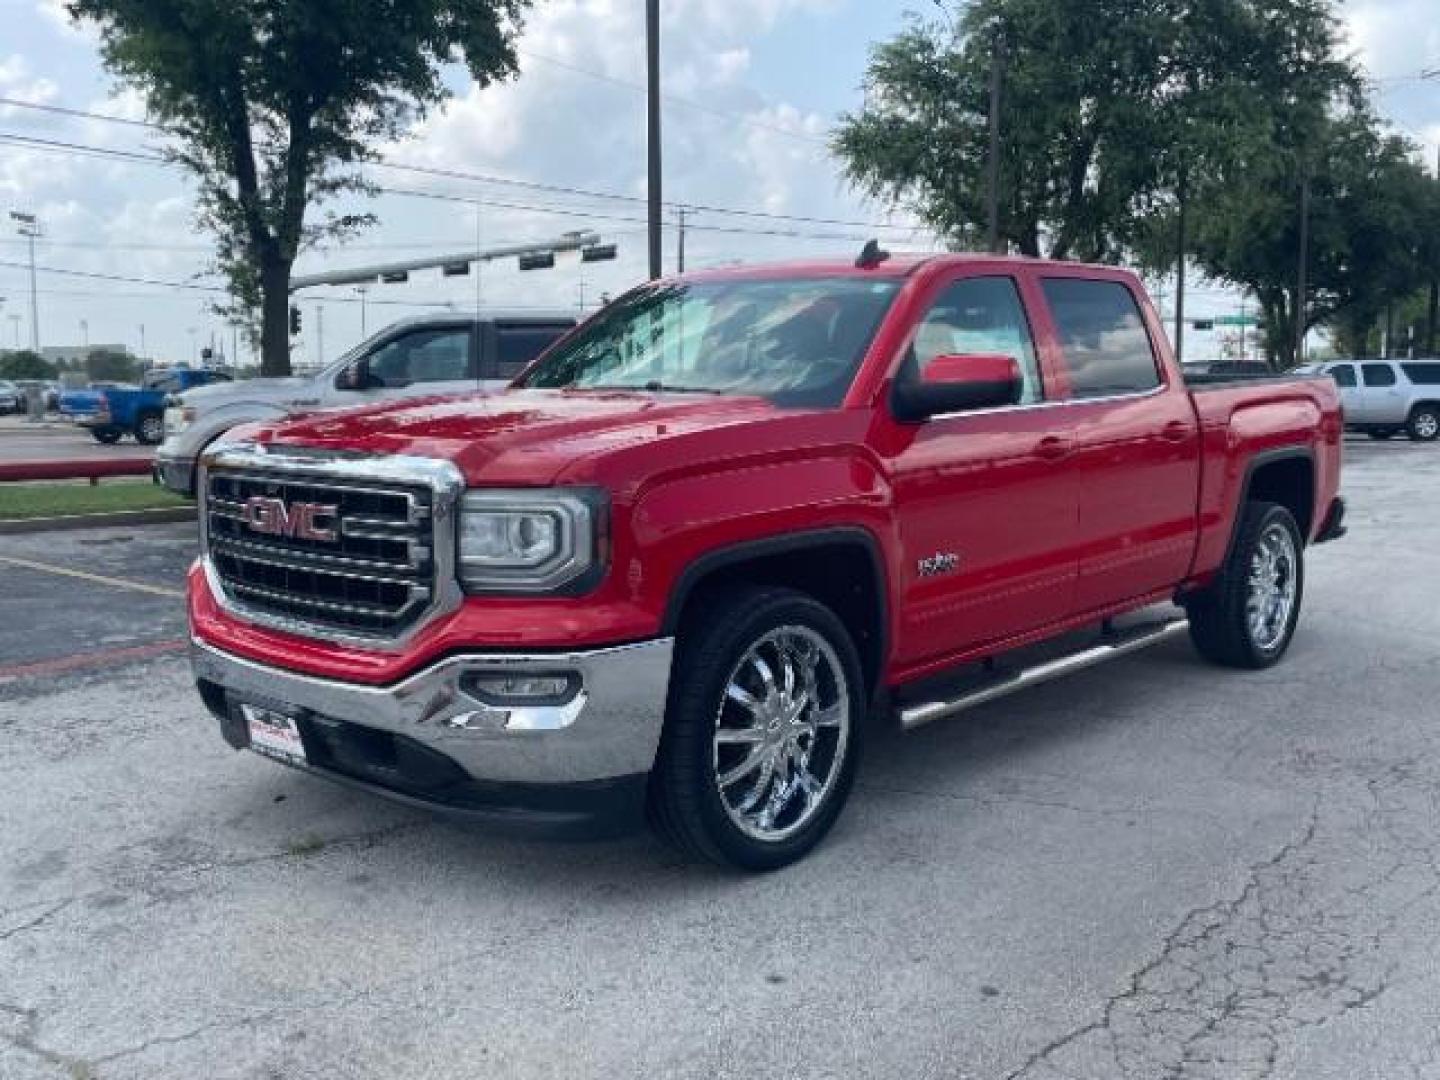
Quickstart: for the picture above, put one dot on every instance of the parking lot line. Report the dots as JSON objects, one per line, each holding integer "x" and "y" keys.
{"x": 90, "y": 659}
{"x": 99, "y": 579}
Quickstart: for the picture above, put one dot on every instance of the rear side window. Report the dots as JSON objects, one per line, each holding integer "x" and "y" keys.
{"x": 1102, "y": 337}
{"x": 1378, "y": 374}
{"x": 1343, "y": 374}
{"x": 1422, "y": 374}
{"x": 516, "y": 346}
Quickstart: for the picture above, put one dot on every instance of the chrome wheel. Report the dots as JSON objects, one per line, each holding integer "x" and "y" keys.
{"x": 1273, "y": 587}
{"x": 1426, "y": 425}
{"x": 780, "y": 732}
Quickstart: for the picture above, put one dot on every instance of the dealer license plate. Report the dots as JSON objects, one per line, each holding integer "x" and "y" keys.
{"x": 273, "y": 734}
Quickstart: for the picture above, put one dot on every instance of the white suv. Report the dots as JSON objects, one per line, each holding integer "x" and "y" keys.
{"x": 1384, "y": 397}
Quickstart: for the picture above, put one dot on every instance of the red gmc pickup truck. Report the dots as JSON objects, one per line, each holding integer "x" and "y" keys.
{"x": 702, "y": 541}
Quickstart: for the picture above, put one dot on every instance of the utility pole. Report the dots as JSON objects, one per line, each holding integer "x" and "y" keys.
{"x": 680, "y": 241}
{"x": 320, "y": 335}
{"x": 652, "y": 66}
{"x": 1433, "y": 315}
{"x": 363, "y": 289}
{"x": 1180, "y": 242}
{"x": 29, "y": 227}
{"x": 142, "y": 341}
{"x": 992, "y": 163}
{"x": 1301, "y": 304}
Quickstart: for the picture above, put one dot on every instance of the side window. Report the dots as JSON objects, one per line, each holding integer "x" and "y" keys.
{"x": 516, "y": 345}
{"x": 1343, "y": 374}
{"x": 1422, "y": 374}
{"x": 421, "y": 357}
{"x": 1102, "y": 337}
{"x": 980, "y": 315}
{"x": 1378, "y": 374}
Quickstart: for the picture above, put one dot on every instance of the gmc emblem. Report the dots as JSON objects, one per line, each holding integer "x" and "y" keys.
{"x": 276, "y": 517}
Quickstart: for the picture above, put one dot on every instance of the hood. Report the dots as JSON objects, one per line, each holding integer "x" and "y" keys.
{"x": 519, "y": 437}
{"x": 270, "y": 389}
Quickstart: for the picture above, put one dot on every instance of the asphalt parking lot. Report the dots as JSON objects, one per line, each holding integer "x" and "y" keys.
{"x": 1152, "y": 869}
{"x": 53, "y": 440}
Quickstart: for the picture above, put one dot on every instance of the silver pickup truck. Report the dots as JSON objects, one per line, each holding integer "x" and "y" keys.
{"x": 451, "y": 354}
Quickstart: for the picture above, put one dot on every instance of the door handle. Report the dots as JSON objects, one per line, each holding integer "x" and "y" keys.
{"x": 1175, "y": 431}
{"x": 1053, "y": 448}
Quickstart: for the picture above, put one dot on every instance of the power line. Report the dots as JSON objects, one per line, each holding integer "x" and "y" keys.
{"x": 455, "y": 174}
{"x": 155, "y": 159}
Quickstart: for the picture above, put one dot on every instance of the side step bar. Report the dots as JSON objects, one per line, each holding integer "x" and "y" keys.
{"x": 1119, "y": 644}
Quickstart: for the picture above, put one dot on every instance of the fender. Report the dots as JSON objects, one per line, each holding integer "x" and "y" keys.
{"x": 734, "y": 554}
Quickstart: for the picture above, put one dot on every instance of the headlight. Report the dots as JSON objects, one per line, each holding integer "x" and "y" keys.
{"x": 528, "y": 540}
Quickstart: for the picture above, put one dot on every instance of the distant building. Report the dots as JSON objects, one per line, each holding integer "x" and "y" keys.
{"x": 73, "y": 355}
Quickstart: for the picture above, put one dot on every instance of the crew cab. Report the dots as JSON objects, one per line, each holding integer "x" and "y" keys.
{"x": 417, "y": 357}
{"x": 703, "y": 540}
{"x": 111, "y": 410}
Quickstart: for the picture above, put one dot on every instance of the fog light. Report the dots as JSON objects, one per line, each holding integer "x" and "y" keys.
{"x": 508, "y": 690}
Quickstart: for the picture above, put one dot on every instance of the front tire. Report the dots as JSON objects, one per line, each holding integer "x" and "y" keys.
{"x": 762, "y": 730}
{"x": 150, "y": 429}
{"x": 1424, "y": 424}
{"x": 1247, "y": 618}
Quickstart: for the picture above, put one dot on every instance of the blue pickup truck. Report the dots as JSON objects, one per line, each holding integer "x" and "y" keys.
{"x": 110, "y": 410}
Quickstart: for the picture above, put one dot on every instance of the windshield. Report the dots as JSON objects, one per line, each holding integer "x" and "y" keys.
{"x": 794, "y": 341}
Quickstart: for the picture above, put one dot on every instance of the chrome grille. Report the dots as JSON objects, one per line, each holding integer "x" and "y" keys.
{"x": 375, "y": 577}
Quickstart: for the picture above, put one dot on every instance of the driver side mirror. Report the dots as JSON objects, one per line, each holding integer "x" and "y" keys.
{"x": 355, "y": 376}
{"x": 958, "y": 384}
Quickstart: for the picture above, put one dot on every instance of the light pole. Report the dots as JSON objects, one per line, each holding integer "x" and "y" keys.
{"x": 142, "y": 341}
{"x": 652, "y": 69}
{"x": 362, "y": 290}
{"x": 192, "y": 331}
{"x": 85, "y": 334}
{"x": 29, "y": 227}
{"x": 15, "y": 323}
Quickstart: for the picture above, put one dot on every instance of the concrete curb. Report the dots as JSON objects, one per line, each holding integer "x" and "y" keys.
{"x": 163, "y": 515}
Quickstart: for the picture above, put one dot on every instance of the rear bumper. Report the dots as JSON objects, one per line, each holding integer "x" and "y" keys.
{"x": 1333, "y": 527}
{"x": 175, "y": 474}
{"x": 573, "y": 767}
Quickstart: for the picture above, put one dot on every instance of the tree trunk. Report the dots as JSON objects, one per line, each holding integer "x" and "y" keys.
{"x": 274, "y": 316}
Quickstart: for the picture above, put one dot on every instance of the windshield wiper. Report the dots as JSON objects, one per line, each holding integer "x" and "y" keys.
{"x": 654, "y": 386}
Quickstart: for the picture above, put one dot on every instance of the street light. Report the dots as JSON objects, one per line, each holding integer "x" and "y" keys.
{"x": 28, "y": 226}
{"x": 85, "y": 333}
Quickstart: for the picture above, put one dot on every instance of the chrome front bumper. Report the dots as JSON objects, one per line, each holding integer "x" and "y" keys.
{"x": 609, "y": 729}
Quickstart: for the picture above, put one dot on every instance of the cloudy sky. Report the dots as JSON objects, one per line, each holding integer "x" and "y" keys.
{"x": 752, "y": 87}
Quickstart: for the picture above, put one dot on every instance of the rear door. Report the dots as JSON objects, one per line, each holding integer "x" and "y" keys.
{"x": 1383, "y": 399}
{"x": 510, "y": 345}
{"x": 1137, "y": 441}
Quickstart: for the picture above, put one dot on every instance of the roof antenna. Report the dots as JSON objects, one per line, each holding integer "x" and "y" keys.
{"x": 871, "y": 256}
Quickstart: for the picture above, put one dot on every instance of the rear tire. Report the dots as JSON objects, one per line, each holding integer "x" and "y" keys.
{"x": 767, "y": 691}
{"x": 150, "y": 429}
{"x": 1424, "y": 424}
{"x": 107, "y": 435}
{"x": 1247, "y": 618}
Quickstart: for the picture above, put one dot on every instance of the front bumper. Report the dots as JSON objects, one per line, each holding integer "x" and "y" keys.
{"x": 573, "y": 768}
{"x": 174, "y": 474}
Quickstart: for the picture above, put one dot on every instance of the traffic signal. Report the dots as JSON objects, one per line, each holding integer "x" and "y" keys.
{"x": 395, "y": 278}
{"x": 294, "y": 320}
{"x": 542, "y": 260}
{"x": 597, "y": 253}
{"x": 1203, "y": 324}
{"x": 455, "y": 269}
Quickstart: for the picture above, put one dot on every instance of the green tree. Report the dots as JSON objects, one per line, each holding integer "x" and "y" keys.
{"x": 273, "y": 104}
{"x": 25, "y": 364}
{"x": 102, "y": 365}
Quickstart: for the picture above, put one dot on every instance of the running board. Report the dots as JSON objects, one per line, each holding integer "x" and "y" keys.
{"x": 1120, "y": 643}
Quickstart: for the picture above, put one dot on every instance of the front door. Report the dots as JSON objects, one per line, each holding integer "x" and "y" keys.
{"x": 985, "y": 501}
{"x": 1137, "y": 440}
{"x": 420, "y": 361}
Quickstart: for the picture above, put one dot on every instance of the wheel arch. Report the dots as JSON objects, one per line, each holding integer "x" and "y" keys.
{"x": 1286, "y": 476}
{"x": 841, "y": 567}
